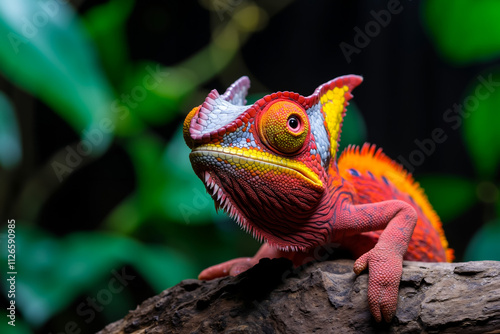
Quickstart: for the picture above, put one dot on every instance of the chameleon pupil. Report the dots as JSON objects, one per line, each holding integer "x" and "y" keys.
{"x": 293, "y": 123}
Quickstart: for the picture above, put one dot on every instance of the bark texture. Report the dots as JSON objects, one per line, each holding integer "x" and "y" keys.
{"x": 323, "y": 297}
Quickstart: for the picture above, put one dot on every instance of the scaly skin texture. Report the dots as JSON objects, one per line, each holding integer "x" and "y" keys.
{"x": 273, "y": 167}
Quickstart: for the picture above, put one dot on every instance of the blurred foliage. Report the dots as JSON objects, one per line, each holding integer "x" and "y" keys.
{"x": 484, "y": 244}
{"x": 482, "y": 140}
{"x": 450, "y": 195}
{"x": 464, "y": 31}
{"x": 10, "y": 140}
{"x": 353, "y": 128}
{"x": 106, "y": 26}
{"x": 53, "y": 272}
{"x": 51, "y": 52}
{"x": 80, "y": 66}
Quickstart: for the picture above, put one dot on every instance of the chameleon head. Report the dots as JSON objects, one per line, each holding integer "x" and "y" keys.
{"x": 267, "y": 164}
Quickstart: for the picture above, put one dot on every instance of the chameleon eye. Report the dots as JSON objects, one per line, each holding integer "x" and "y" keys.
{"x": 293, "y": 123}
{"x": 284, "y": 127}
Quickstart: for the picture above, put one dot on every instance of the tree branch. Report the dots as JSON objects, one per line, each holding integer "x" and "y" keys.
{"x": 324, "y": 297}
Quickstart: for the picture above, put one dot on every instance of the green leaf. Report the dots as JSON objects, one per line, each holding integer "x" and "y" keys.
{"x": 481, "y": 121}
{"x": 184, "y": 199}
{"x": 450, "y": 195}
{"x": 485, "y": 244}
{"x": 10, "y": 141}
{"x": 167, "y": 185}
{"x": 145, "y": 152}
{"x": 353, "y": 128}
{"x": 464, "y": 31}
{"x": 45, "y": 51}
{"x": 106, "y": 23}
{"x": 148, "y": 98}
{"x": 52, "y": 272}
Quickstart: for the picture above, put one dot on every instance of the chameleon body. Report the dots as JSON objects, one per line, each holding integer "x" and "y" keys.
{"x": 273, "y": 167}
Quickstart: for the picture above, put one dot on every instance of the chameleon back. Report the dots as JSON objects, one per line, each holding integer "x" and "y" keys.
{"x": 376, "y": 178}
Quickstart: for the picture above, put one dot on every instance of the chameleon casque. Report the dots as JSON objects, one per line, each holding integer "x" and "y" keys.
{"x": 273, "y": 167}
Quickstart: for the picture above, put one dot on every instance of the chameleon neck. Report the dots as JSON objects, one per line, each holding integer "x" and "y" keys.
{"x": 338, "y": 195}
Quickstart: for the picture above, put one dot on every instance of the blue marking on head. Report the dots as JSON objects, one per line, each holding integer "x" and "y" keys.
{"x": 317, "y": 123}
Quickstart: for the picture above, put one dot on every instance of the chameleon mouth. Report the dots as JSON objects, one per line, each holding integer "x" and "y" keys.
{"x": 247, "y": 160}
{"x": 223, "y": 201}
{"x": 257, "y": 160}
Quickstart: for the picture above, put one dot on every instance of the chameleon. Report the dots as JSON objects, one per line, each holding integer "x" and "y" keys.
{"x": 272, "y": 166}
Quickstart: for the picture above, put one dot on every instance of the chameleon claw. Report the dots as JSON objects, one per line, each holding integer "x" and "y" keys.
{"x": 361, "y": 264}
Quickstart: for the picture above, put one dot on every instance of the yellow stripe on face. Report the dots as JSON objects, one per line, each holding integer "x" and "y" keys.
{"x": 258, "y": 161}
{"x": 333, "y": 107}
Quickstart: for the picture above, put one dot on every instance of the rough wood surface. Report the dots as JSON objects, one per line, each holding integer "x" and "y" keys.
{"x": 324, "y": 297}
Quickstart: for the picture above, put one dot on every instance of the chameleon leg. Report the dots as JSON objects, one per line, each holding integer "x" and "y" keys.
{"x": 385, "y": 260}
{"x": 237, "y": 266}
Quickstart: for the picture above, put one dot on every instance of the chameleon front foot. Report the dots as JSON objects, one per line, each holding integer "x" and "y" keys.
{"x": 385, "y": 270}
{"x": 229, "y": 268}
{"x": 237, "y": 266}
